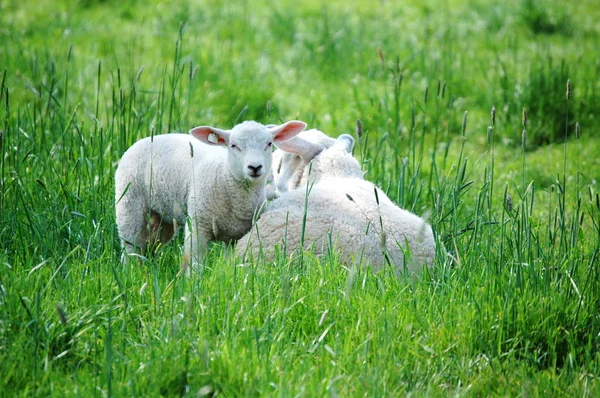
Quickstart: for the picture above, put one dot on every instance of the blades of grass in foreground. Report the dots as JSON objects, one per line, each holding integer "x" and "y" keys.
{"x": 515, "y": 315}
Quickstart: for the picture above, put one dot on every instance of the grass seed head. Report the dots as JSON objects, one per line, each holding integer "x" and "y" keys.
{"x": 139, "y": 74}
{"x": 509, "y": 203}
{"x": 493, "y": 114}
{"x": 359, "y": 130}
{"x": 568, "y": 90}
{"x": 62, "y": 315}
{"x": 524, "y": 118}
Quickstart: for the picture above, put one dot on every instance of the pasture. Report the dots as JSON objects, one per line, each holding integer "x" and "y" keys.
{"x": 481, "y": 116}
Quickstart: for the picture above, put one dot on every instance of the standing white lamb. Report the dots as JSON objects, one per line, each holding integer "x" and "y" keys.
{"x": 163, "y": 180}
{"x": 343, "y": 211}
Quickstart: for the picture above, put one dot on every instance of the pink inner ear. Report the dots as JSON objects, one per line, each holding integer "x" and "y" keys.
{"x": 298, "y": 145}
{"x": 289, "y": 130}
{"x": 208, "y": 135}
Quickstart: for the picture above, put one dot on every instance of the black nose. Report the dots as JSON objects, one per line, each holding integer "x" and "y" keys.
{"x": 255, "y": 170}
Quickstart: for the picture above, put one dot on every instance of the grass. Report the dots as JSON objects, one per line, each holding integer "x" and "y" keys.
{"x": 518, "y": 315}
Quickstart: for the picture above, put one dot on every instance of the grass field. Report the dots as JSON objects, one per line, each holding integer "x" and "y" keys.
{"x": 512, "y": 196}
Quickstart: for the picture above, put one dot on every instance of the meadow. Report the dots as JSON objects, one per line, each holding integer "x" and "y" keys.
{"x": 481, "y": 116}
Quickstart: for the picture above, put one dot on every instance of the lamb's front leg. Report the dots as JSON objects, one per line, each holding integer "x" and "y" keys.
{"x": 196, "y": 243}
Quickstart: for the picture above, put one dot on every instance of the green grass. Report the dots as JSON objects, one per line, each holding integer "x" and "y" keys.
{"x": 519, "y": 315}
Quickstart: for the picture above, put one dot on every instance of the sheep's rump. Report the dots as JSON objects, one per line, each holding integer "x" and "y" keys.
{"x": 343, "y": 215}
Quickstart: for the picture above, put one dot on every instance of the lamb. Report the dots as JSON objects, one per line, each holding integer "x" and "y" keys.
{"x": 290, "y": 161}
{"x": 342, "y": 210}
{"x": 163, "y": 180}
{"x": 292, "y": 158}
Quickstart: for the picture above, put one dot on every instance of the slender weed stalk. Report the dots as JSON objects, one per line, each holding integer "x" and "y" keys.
{"x": 424, "y": 127}
{"x": 309, "y": 187}
{"x": 362, "y": 138}
{"x": 490, "y": 174}
{"x": 177, "y": 72}
{"x": 3, "y": 132}
{"x": 523, "y": 147}
{"x": 567, "y": 106}
{"x": 192, "y": 74}
{"x": 563, "y": 186}
{"x": 108, "y": 344}
{"x": 439, "y": 97}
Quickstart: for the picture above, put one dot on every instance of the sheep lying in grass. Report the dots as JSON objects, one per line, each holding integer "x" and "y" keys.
{"x": 162, "y": 180}
{"x": 343, "y": 211}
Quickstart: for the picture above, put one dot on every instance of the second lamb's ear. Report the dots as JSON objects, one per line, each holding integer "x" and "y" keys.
{"x": 211, "y": 135}
{"x": 287, "y": 130}
{"x": 306, "y": 149}
{"x": 347, "y": 141}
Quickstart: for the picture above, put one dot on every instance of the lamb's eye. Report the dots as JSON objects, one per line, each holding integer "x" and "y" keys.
{"x": 233, "y": 146}
{"x": 269, "y": 145}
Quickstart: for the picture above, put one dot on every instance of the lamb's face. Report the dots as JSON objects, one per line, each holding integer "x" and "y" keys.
{"x": 249, "y": 152}
{"x": 312, "y": 156}
{"x": 287, "y": 170}
{"x": 249, "y": 146}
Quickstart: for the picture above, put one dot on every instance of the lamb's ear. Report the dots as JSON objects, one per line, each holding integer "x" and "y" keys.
{"x": 211, "y": 135}
{"x": 306, "y": 149}
{"x": 287, "y": 130}
{"x": 347, "y": 141}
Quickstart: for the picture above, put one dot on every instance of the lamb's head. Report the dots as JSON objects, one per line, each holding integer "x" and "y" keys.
{"x": 249, "y": 146}
{"x": 313, "y": 156}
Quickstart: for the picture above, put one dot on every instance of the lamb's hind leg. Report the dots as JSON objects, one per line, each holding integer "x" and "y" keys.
{"x": 160, "y": 230}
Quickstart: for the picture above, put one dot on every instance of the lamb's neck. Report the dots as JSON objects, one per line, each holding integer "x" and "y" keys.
{"x": 242, "y": 196}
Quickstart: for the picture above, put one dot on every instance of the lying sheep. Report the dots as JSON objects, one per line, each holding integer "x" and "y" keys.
{"x": 160, "y": 181}
{"x": 343, "y": 211}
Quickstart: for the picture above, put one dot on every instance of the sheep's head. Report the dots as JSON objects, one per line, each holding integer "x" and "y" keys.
{"x": 313, "y": 156}
{"x": 249, "y": 146}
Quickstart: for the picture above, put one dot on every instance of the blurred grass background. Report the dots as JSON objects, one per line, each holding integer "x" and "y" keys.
{"x": 80, "y": 81}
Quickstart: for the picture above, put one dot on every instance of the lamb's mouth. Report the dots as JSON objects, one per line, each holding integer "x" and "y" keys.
{"x": 254, "y": 175}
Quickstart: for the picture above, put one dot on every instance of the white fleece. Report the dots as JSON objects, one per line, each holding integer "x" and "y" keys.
{"x": 211, "y": 181}
{"x": 343, "y": 213}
